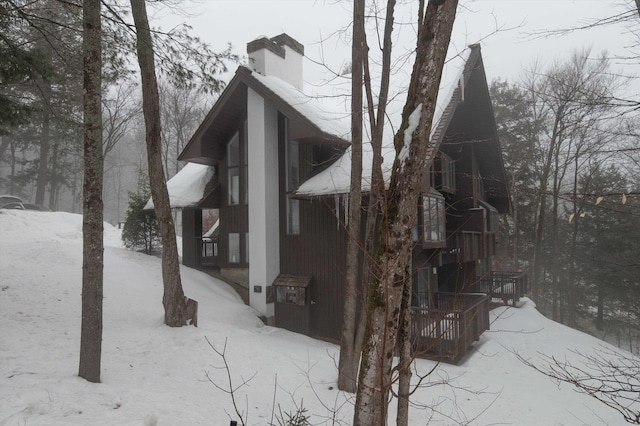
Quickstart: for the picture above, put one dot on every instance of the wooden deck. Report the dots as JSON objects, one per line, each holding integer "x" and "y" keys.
{"x": 448, "y": 330}
{"x": 503, "y": 286}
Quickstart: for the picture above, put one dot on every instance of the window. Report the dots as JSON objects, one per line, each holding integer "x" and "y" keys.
{"x": 433, "y": 218}
{"x": 234, "y": 248}
{"x": 491, "y": 217}
{"x": 292, "y": 159}
{"x": 245, "y": 167}
{"x": 293, "y": 216}
{"x": 447, "y": 173}
{"x": 233, "y": 169}
{"x": 246, "y": 245}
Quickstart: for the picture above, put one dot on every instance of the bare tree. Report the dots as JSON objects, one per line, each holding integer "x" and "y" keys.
{"x": 92, "y": 251}
{"x": 182, "y": 110}
{"x": 567, "y": 98}
{"x": 119, "y": 112}
{"x": 393, "y": 256}
{"x": 352, "y": 329}
{"x": 175, "y": 303}
{"x": 613, "y": 378}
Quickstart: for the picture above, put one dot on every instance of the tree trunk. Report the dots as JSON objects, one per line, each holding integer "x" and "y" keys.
{"x": 555, "y": 249}
{"x": 54, "y": 179}
{"x": 174, "y": 301}
{"x": 92, "y": 220}
{"x": 542, "y": 206}
{"x": 600, "y": 308}
{"x": 45, "y": 136}
{"x": 357, "y": 329}
{"x": 404, "y": 346}
{"x": 350, "y": 344}
{"x": 398, "y": 216}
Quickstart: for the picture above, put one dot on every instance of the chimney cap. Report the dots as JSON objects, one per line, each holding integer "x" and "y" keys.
{"x": 275, "y": 44}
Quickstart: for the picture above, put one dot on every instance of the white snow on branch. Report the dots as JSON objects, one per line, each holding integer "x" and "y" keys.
{"x": 414, "y": 120}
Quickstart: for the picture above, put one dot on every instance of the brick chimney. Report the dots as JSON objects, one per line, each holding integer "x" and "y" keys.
{"x": 279, "y": 56}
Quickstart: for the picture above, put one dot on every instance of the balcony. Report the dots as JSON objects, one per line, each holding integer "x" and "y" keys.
{"x": 448, "y": 330}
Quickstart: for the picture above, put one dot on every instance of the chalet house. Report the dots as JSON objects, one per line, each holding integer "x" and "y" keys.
{"x": 275, "y": 163}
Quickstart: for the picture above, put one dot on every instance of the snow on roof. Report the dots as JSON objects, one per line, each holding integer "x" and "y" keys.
{"x": 187, "y": 187}
{"x": 212, "y": 230}
{"x": 451, "y": 77}
{"x": 336, "y": 179}
{"x": 329, "y": 114}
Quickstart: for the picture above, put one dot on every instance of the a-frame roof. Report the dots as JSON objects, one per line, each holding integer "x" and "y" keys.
{"x": 463, "y": 71}
{"x": 463, "y": 77}
{"x": 308, "y": 118}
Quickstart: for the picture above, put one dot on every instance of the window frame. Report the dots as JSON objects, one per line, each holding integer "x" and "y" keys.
{"x": 433, "y": 206}
{"x": 492, "y": 218}
{"x": 233, "y": 170}
{"x": 447, "y": 173}
{"x": 230, "y": 258}
{"x": 292, "y": 181}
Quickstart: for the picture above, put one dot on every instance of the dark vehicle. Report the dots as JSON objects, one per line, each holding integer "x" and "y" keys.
{"x": 11, "y": 202}
{"x": 38, "y": 207}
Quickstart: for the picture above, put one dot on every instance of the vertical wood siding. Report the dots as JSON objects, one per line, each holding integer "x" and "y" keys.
{"x": 319, "y": 250}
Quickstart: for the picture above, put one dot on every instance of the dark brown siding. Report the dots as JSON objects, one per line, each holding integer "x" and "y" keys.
{"x": 319, "y": 251}
{"x": 191, "y": 233}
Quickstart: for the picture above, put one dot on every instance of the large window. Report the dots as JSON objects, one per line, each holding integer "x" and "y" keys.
{"x": 233, "y": 169}
{"x": 292, "y": 158}
{"x": 433, "y": 218}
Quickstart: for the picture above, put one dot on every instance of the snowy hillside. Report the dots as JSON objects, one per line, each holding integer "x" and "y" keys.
{"x": 152, "y": 373}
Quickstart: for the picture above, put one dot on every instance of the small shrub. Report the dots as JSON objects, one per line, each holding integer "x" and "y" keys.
{"x": 140, "y": 231}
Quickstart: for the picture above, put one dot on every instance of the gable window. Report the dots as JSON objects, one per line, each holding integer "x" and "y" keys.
{"x": 292, "y": 159}
{"x": 233, "y": 169}
{"x": 433, "y": 217}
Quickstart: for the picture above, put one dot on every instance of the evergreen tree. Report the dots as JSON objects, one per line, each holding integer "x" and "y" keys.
{"x": 610, "y": 249}
{"x": 140, "y": 231}
{"x": 518, "y": 129}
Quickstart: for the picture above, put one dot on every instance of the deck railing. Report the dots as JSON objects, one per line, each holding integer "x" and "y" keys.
{"x": 208, "y": 252}
{"x": 448, "y": 330}
{"x": 504, "y": 286}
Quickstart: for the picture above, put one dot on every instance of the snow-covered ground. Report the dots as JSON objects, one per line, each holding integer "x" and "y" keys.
{"x": 154, "y": 374}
